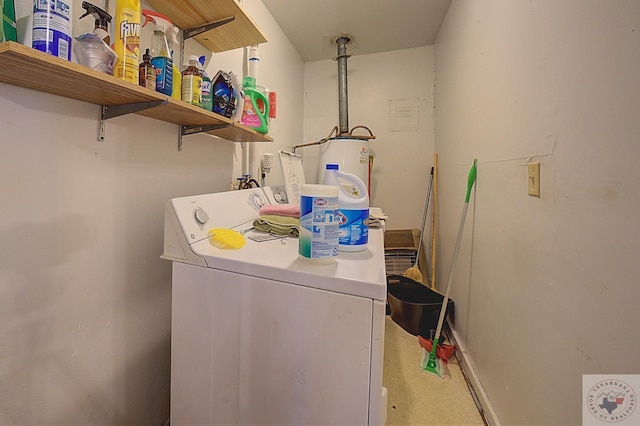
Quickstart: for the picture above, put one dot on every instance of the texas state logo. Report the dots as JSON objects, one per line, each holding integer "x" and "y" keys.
{"x": 609, "y": 400}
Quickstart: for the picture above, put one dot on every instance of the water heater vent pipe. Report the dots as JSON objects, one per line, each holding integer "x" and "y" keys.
{"x": 343, "y": 91}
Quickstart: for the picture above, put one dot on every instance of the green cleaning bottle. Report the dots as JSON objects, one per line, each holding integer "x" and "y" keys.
{"x": 254, "y": 115}
{"x": 8, "y": 30}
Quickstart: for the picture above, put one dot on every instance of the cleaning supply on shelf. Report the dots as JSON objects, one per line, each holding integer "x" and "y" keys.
{"x": 192, "y": 82}
{"x": 92, "y": 50}
{"x": 354, "y": 208}
{"x": 171, "y": 33}
{"x": 206, "y": 95}
{"x": 161, "y": 60}
{"x": 254, "y": 115}
{"x": 223, "y": 94}
{"x": 176, "y": 90}
{"x": 272, "y": 104}
{"x": 8, "y": 28}
{"x": 102, "y": 19}
{"x": 254, "y": 62}
{"x": 238, "y": 93}
{"x": 52, "y": 27}
{"x": 127, "y": 40}
{"x": 147, "y": 72}
{"x": 93, "y": 53}
{"x": 318, "y": 241}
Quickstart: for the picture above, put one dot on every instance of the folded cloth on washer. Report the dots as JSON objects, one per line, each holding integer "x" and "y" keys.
{"x": 278, "y": 225}
{"x": 288, "y": 210}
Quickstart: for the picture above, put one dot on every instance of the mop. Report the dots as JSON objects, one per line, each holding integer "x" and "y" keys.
{"x": 414, "y": 272}
{"x": 434, "y": 364}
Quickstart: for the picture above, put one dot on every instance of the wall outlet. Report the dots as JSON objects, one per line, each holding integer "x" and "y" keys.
{"x": 533, "y": 178}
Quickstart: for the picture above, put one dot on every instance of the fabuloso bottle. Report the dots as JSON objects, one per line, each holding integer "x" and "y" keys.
{"x": 127, "y": 40}
{"x": 192, "y": 82}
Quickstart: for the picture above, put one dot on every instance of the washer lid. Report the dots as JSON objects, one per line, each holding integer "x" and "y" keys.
{"x": 357, "y": 273}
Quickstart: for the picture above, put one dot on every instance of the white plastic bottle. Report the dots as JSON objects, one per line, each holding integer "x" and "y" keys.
{"x": 354, "y": 208}
{"x": 52, "y": 25}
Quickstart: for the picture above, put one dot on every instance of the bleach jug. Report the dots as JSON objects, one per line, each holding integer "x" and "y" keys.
{"x": 254, "y": 115}
{"x": 354, "y": 208}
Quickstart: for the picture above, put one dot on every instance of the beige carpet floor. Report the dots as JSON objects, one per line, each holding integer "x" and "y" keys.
{"x": 418, "y": 398}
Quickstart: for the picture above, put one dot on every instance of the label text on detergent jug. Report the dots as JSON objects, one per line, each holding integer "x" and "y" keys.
{"x": 318, "y": 227}
{"x": 52, "y": 27}
{"x": 354, "y": 227}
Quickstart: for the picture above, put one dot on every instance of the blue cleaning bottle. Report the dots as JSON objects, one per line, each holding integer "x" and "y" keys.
{"x": 162, "y": 61}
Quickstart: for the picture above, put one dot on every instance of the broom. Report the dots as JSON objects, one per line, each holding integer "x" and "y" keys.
{"x": 414, "y": 272}
{"x": 433, "y": 365}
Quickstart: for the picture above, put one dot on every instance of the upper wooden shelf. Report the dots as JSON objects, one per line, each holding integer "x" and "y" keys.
{"x": 23, "y": 66}
{"x": 189, "y": 14}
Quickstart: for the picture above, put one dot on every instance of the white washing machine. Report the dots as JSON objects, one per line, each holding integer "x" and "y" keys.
{"x": 262, "y": 337}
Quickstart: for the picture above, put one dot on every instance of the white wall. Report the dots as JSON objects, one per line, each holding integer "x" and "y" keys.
{"x": 403, "y": 159}
{"x": 85, "y": 298}
{"x": 546, "y": 288}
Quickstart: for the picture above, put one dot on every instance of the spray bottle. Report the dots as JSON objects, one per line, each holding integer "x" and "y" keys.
{"x": 102, "y": 19}
{"x": 171, "y": 32}
{"x": 127, "y": 40}
{"x": 92, "y": 50}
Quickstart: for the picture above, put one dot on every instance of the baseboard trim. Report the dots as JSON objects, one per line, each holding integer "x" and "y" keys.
{"x": 473, "y": 381}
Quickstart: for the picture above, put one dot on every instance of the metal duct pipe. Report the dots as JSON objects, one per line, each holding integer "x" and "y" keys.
{"x": 343, "y": 91}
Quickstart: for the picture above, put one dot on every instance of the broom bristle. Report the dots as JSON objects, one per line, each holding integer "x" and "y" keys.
{"x": 413, "y": 273}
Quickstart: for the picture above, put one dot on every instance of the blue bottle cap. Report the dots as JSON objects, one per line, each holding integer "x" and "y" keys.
{"x": 332, "y": 167}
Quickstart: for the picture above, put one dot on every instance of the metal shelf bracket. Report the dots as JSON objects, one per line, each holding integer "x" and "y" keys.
{"x": 112, "y": 111}
{"x": 192, "y": 130}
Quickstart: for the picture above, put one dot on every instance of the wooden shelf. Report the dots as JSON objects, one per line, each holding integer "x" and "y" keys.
{"x": 195, "y": 13}
{"x": 23, "y": 66}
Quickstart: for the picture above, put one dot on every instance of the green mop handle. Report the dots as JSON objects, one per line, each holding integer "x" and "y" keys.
{"x": 470, "y": 181}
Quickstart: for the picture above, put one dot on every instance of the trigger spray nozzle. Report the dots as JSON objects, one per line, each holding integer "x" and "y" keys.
{"x": 170, "y": 30}
{"x": 102, "y": 19}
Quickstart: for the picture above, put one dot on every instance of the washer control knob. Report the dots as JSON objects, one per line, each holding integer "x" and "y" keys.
{"x": 257, "y": 200}
{"x": 201, "y": 216}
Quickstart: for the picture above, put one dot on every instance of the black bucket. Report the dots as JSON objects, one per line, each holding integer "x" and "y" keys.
{"x": 414, "y": 306}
